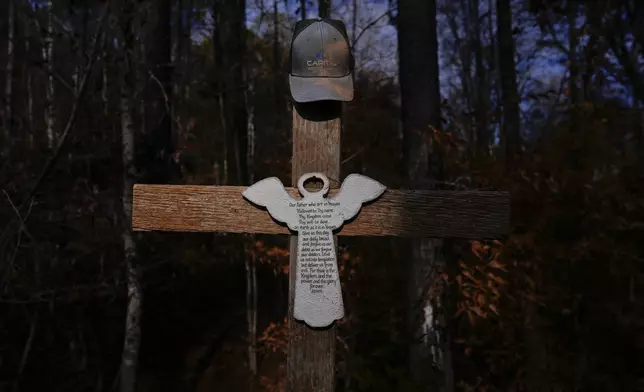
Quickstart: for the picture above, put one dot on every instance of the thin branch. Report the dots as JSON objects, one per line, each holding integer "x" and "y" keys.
{"x": 26, "y": 351}
{"x": 23, "y": 225}
{"x": 168, "y": 108}
{"x": 373, "y": 143}
{"x": 553, "y": 32}
{"x": 354, "y": 155}
{"x": 59, "y": 79}
{"x": 23, "y": 229}
{"x": 74, "y": 112}
{"x": 10, "y": 264}
{"x": 368, "y": 26}
{"x": 71, "y": 120}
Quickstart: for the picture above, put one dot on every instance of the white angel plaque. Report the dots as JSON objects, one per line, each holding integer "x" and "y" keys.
{"x": 318, "y": 296}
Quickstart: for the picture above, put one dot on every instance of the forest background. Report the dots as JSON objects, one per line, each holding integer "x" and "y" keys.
{"x": 541, "y": 98}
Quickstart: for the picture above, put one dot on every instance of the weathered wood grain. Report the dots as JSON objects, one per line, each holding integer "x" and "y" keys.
{"x": 399, "y": 213}
{"x": 310, "y": 361}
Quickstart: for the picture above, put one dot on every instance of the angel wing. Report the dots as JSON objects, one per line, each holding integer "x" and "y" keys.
{"x": 356, "y": 189}
{"x": 270, "y": 193}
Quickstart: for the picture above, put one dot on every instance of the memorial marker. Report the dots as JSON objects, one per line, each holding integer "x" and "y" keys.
{"x": 320, "y": 79}
{"x": 318, "y": 297}
{"x": 399, "y": 213}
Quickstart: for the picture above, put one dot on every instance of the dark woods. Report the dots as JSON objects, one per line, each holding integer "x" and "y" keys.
{"x": 539, "y": 98}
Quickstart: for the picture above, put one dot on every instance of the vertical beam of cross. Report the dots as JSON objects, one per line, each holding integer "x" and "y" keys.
{"x": 316, "y": 148}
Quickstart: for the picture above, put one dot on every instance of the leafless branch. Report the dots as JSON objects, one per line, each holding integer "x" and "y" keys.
{"x": 368, "y": 26}
{"x": 168, "y": 108}
{"x": 79, "y": 94}
{"x": 62, "y": 81}
{"x": 22, "y": 229}
{"x": 26, "y": 351}
{"x": 362, "y": 150}
{"x": 71, "y": 121}
{"x": 551, "y": 29}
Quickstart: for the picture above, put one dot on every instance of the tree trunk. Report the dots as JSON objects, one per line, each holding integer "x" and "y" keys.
{"x": 277, "y": 79}
{"x": 421, "y": 116}
{"x": 536, "y": 356}
{"x": 26, "y": 352}
{"x": 303, "y": 8}
{"x": 82, "y": 47}
{"x": 177, "y": 58}
{"x": 595, "y": 31}
{"x": 29, "y": 85}
{"x": 105, "y": 104}
{"x": 141, "y": 75}
{"x": 465, "y": 74}
{"x": 229, "y": 44}
{"x": 324, "y": 8}
{"x": 494, "y": 59}
{"x": 230, "y": 49}
{"x": 129, "y": 359}
{"x": 573, "y": 83}
{"x": 48, "y": 56}
{"x": 132, "y": 338}
{"x": 511, "y": 128}
{"x": 250, "y": 258}
{"x": 482, "y": 93}
{"x": 187, "y": 37}
{"x": 158, "y": 116}
{"x": 251, "y": 308}
{"x": 8, "y": 109}
{"x": 354, "y": 24}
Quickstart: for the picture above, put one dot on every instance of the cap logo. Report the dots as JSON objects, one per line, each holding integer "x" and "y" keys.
{"x": 320, "y": 61}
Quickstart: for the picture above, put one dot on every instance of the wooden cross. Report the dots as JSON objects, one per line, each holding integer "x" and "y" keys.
{"x": 316, "y": 148}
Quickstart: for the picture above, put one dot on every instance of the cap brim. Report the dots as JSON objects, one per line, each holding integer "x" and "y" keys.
{"x": 307, "y": 89}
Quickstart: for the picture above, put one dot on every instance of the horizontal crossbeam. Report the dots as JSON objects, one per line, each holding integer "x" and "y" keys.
{"x": 397, "y": 213}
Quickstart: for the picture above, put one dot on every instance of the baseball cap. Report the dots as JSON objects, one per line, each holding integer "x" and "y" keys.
{"x": 321, "y": 61}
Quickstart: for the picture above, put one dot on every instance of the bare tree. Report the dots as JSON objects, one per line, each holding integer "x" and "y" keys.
{"x": 421, "y": 117}
{"x": 105, "y": 103}
{"x": 82, "y": 44}
{"x": 354, "y": 26}
{"x": 159, "y": 112}
{"x": 8, "y": 109}
{"x": 493, "y": 55}
{"x": 177, "y": 54}
{"x": 576, "y": 93}
{"x": 511, "y": 128}
{"x": 482, "y": 92}
{"x": 251, "y": 306}
{"x": 48, "y": 56}
{"x": 457, "y": 16}
{"x": 29, "y": 84}
{"x": 277, "y": 64}
{"x": 234, "y": 89}
{"x": 229, "y": 38}
{"x": 132, "y": 337}
{"x": 249, "y": 242}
